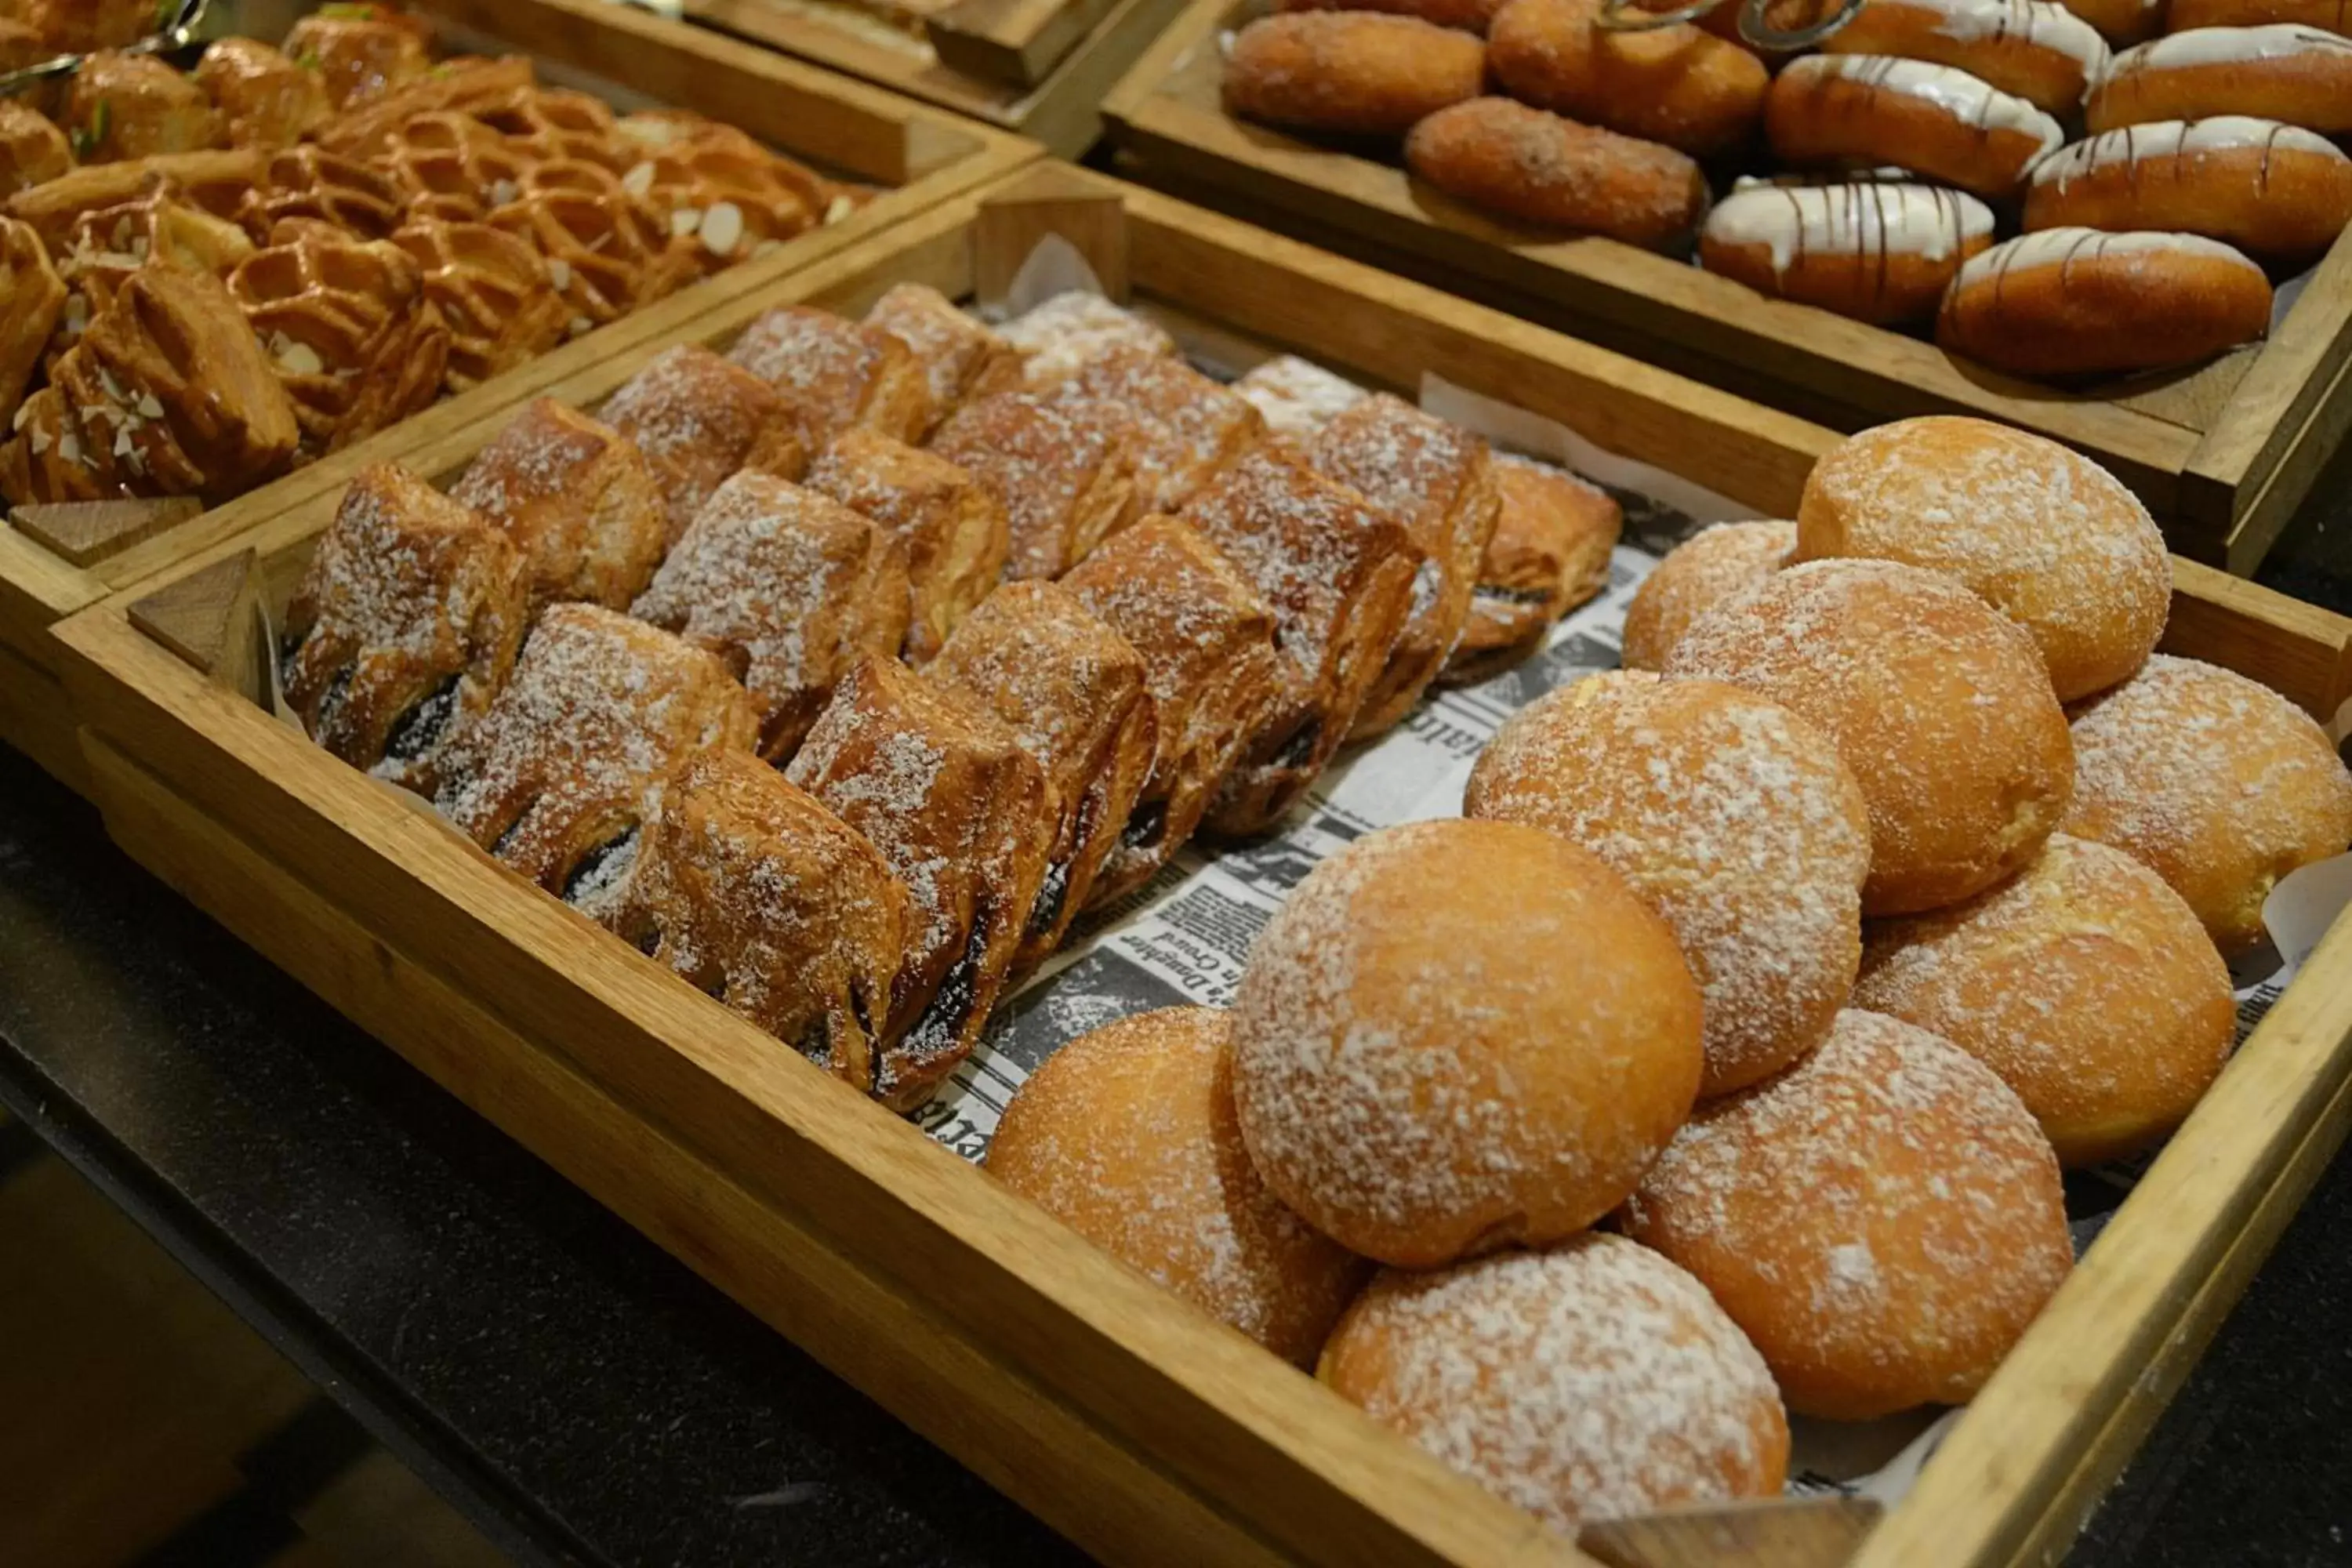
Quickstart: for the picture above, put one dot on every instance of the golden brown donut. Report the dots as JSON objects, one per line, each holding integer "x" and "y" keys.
{"x": 1537, "y": 168}
{"x": 1461, "y": 1036}
{"x": 1933, "y": 119}
{"x": 2085, "y": 982}
{"x": 1731, "y": 816}
{"x": 2218, "y": 783}
{"x": 1470, "y": 15}
{"x": 1128, "y": 1136}
{"x": 2036, "y": 49}
{"x": 1938, "y": 703}
{"x": 1712, "y": 567}
{"x": 2079, "y": 301}
{"x": 2287, "y": 71}
{"x": 1357, "y": 73}
{"x": 1878, "y": 251}
{"x": 2330, "y": 15}
{"x": 1588, "y": 1381}
{"x": 2280, "y": 194}
{"x": 1677, "y": 84}
{"x": 2044, "y": 534}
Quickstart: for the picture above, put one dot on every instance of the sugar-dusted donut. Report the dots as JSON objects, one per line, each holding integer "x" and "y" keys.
{"x": 1936, "y": 120}
{"x": 2278, "y": 193}
{"x": 1674, "y": 84}
{"x": 2081, "y": 301}
{"x": 1712, "y": 567}
{"x": 1877, "y": 252}
{"x": 2036, "y": 49}
{"x": 1356, "y": 73}
{"x": 2287, "y": 71}
{"x": 1534, "y": 167}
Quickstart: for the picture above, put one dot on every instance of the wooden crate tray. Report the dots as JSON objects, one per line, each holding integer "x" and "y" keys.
{"x": 921, "y": 154}
{"x": 1142, "y": 1429}
{"x": 2221, "y": 454}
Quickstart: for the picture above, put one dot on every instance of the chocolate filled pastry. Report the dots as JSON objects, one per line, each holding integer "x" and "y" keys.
{"x": 405, "y": 627}
{"x": 267, "y": 100}
{"x": 961, "y": 357}
{"x": 494, "y": 291}
{"x": 1351, "y": 73}
{"x": 700, "y": 420}
{"x": 607, "y": 254}
{"x": 1843, "y": 111}
{"x": 2081, "y": 301}
{"x": 838, "y": 372}
{"x": 311, "y": 182}
{"x": 451, "y": 165}
{"x": 1190, "y": 427}
{"x": 2280, "y": 194}
{"x": 579, "y": 501}
{"x": 1064, "y": 469}
{"x": 1297, "y": 397}
{"x": 1073, "y": 690}
{"x": 218, "y": 182}
{"x": 135, "y": 106}
{"x": 1882, "y": 253}
{"x": 1206, "y": 640}
{"x": 1533, "y": 167}
{"x": 789, "y": 588}
{"x": 1339, "y": 575}
{"x": 2286, "y": 71}
{"x": 2035, "y": 50}
{"x": 1438, "y": 480}
{"x": 556, "y": 779}
{"x": 942, "y": 788}
{"x": 1674, "y": 84}
{"x": 1553, "y": 534}
{"x": 31, "y": 299}
{"x": 33, "y": 151}
{"x": 1074, "y": 327}
{"x": 361, "y": 52}
{"x": 951, "y": 526}
{"x": 760, "y": 898}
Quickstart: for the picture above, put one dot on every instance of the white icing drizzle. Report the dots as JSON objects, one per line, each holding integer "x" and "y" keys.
{"x": 2178, "y": 139}
{"x": 2067, "y": 246}
{"x": 2039, "y": 23}
{"x": 1865, "y": 219}
{"x": 1958, "y": 94}
{"x": 2226, "y": 46}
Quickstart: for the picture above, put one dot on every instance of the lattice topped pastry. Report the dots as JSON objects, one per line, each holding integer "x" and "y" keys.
{"x": 216, "y": 182}
{"x": 461, "y": 85}
{"x": 837, "y": 373}
{"x": 451, "y": 166}
{"x": 1549, "y": 553}
{"x": 32, "y": 297}
{"x": 1206, "y": 640}
{"x": 361, "y": 52}
{"x": 698, "y": 420}
{"x": 267, "y": 100}
{"x": 33, "y": 151}
{"x": 952, "y": 528}
{"x": 1339, "y": 576}
{"x": 1297, "y": 396}
{"x": 1062, "y": 468}
{"x": 1073, "y": 690}
{"x": 311, "y": 182}
{"x": 1190, "y": 427}
{"x": 790, "y": 588}
{"x": 961, "y": 357}
{"x": 135, "y": 106}
{"x": 557, "y": 777}
{"x": 578, "y": 500}
{"x": 544, "y": 123}
{"x": 1061, "y": 335}
{"x": 942, "y": 788}
{"x": 761, "y": 898}
{"x": 607, "y": 254}
{"x": 405, "y": 627}
{"x": 105, "y": 247}
{"x": 726, "y": 191}
{"x": 493, "y": 291}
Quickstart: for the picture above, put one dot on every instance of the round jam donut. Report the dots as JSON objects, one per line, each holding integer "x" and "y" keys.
{"x": 2039, "y": 532}
{"x": 2287, "y": 71}
{"x": 2280, "y": 194}
{"x": 2033, "y": 49}
{"x": 1674, "y": 84}
{"x": 1588, "y": 1381}
{"x": 1534, "y": 167}
{"x": 2080, "y": 301}
{"x": 1731, "y": 816}
{"x": 1933, "y": 119}
{"x": 2083, "y": 981}
{"x": 1938, "y": 703}
{"x": 1460, "y": 1035}
{"x": 2121, "y": 22}
{"x": 1351, "y": 72}
{"x": 1884, "y": 1219}
{"x": 1712, "y": 567}
{"x": 1128, "y": 1135}
{"x": 2330, "y": 16}
{"x": 1880, "y": 253}
{"x": 2215, "y": 781}
{"x": 1470, "y": 15}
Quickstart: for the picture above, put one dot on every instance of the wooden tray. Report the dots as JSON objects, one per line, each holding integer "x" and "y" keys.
{"x": 2222, "y": 455}
{"x": 1143, "y": 1430}
{"x": 922, "y": 155}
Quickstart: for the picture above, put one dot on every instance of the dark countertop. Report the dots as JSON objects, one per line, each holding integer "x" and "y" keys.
{"x": 583, "y": 1397}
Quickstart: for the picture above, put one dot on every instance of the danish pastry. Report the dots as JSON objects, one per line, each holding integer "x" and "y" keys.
{"x": 1712, "y": 567}
{"x": 952, "y": 528}
{"x": 31, "y": 298}
{"x": 942, "y": 788}
{"x": 105, "y": 245}
{"x": 405, "y": 627}
{"x": 960, "y": 358}
{"x": 1063, "y": 468}
{"x": 81, "y": 27}
{"x": 267, "y": 100}
{"x": 218, "y": 181}
{"x": 546, "y": 123}
{"x": 607, "y": 253}
{"x": 135, "y": 106}
{"x": 361, "y": 52}
{"x": 2278, "y": 193}
{"x": 577, "y": 498}
{"x": 469, "y": 85}
{"x": 1878, "y": 252}
{"x": 728, "y": 194}
{"x": 789, "y": 589}
{"x": 2287, "y": 71}
{"x": 1675, "y": 84}
{"x": 45, "y": 459}
{"x": 2034, "y": 50}
{"x": 1189, "y": 426}
{"x": 1553, "y": 535}
{"x": 33, "y": 151}
{"x": 1058, "y": 336}
{"x": 494, "y": 292}
{"x": 451, "y": 165}
{"x": 837, "y": 373}
{"x": 311, "y": 182}
{"x": 1353, "y": 73}
{"x": 1933, "y": 119}
{"x": 1297, "y": 397}
{"x": 1533, "y": 167}
{"x": 2081, "y": 301}
{"x": 698, "y": 420}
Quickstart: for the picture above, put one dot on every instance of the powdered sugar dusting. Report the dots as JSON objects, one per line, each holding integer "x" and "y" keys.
{"x": 1297, "y": 397}
{"x": 1060, "y": 336}
{"x": 1713, "y": 567}
{"x": 1189, "y": 426}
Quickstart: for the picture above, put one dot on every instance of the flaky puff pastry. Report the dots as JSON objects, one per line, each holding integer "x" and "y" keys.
{"x": 576, "y": 498}
{"x": 761, "y": 898}
{"x": 838, "y": 372}
{"x": 1339, "y": 576}
{"x": 1191, "y": 428}
{"x": 1059, "y": 336}
{"x": 33, "y": 151}
{"x": 43, "y": 460}
{"x": 1075, "y": 693}
{"x": 469, "y": 85}
{"x": 218, "y": 182}
{"x": 942, "y": 788}
{"x": 494, "y": 291}
{"x": 607, "y": 254}
{"x": 452, "y": 166}
{"x": 1438, "y": 480}
{"x": 1206, "y": 638}
{"x": 361, "y": 52}
{"x": 105, "y": 246}
{"x": 311, "y": 182}
{"x": 557, "y": 778}
{"x": 31, "y": 295}
{"x": 700, "y": 420}
{"x": 1549, "y": 553}
{"x": 405, "y": 627}
{"x": 961, "y": 358}
{"x": 953, "y": 529}
{"x": 789, "y": 589}
{"x": 1062, "y": 468}
{"x": 266, "y": 99}
{"x": 135, "y": 106}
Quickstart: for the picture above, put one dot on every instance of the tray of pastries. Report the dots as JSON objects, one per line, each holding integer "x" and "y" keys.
{"x": 1164, "y": 878}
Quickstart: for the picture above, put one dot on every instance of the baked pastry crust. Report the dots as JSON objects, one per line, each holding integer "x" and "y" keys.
{"x": 103, "y": 247}
{"x": 607, "y": 254}
{"x": 713, "y": 182}
{"x": 218, "y": 182}
{"x": 942, "y": 788}
{"x": 576, "y": 498}
{"x": 789, "y": 589}
{"x": 961, "y": 358}
{"x": 698, "y": 420}
{"x": 1074, "y": 692}
{"x": 493, "y": 291}
{"x": 266, "y": 99}
{"x": 1062, "y": 468}
{"x": 135, "y": 106}
{"x": 361, "y": 54}
{"x": 838, "y": 372}
{"x": 404, "y": 628}
{"x": 79, "y": 27}
{"x": 33, "y": 151}
{"x": 1191, "y": 428}
{"x": 759, "y": 897}
{"x": 32, "y": 296}
{"x": 309, "y": 182}
{"x": 953, "y": 529}
{"x": 1549, "y": 553}
{"x": 469, "y": 85}
{"x": 1059, "y": 336}
{"x": 1297, "y": 397}
{"x": 451, "y": 165}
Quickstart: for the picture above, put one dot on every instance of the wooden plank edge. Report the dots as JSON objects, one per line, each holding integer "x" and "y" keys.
{"x": 2267, "y": 503}
{"x": 2299, "y": 368}
{"x": 37, "y": 718}
{"x": 1018, "y": 42}
{"x": 2300, "y": 650}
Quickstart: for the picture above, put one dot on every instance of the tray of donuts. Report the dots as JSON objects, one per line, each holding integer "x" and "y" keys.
{"x": 228, "y": 265}
{"x": 1084, "y": 1025}
{"x": 2107, "y": 232}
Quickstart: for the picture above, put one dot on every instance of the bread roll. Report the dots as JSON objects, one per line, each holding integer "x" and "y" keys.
{"x": 1674, "y": 84}
{"x": 2280, "y": 194}
{"x": 2077, "y": 301}
{"x": 1879, "y": 252}
{"x": 1712, "y": 567}
{"x": 1353, "y": 72}
{"x": 2035, "y": 50}
{"x": 1537, "y": 168}
{"x": 1866, "y": 110}
{"x": 2286, "y": 71}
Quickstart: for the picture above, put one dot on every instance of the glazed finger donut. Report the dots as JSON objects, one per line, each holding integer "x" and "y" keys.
{"x": 2278, "y": 193}
{"x": 1878, "y": 253}
{"x": 1357, "y": 73}
{"x": 1535, "y": 167}
{"x": 2077, "y": 301}
{"x": 2287, "y": 71}
{"x": 1674, "y": 84}
{"x": 2036, "y": 49}
{"x": 2331, "y": 15}
{"x": 1934, "y": 120}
